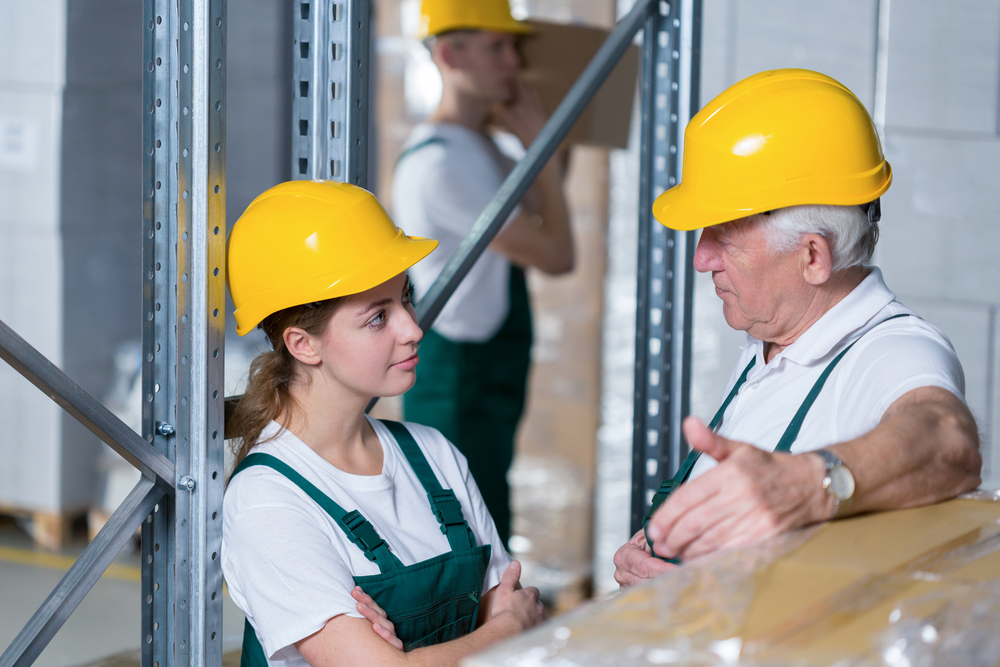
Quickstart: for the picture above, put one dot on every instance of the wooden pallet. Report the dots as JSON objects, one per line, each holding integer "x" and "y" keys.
{"x": 48, "y": 530}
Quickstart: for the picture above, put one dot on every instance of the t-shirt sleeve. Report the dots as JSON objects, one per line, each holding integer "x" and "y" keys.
{"x": 300, "y": 578}
{"x": 889, "y": 363}
{"x": 457, "y": 192}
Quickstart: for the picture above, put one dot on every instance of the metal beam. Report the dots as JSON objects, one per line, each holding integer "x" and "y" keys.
{"x": 83, "y": 574}
{"x": 524, "y": 174}
{"x": 184, "y": 324}
{"x": 331, "y": 87}
{"x": 86, "y": 409}
{"x": 670, "y": 75}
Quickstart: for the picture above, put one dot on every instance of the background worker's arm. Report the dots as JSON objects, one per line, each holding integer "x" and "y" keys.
{"x": 924, "y": 450}
{"x": 539, "y": 238}
{"x": 345, "y": 640}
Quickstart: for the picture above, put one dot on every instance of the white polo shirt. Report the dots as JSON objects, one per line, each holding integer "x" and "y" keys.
{"x": 890, "y": 359}
{"x": 438, "y": 192}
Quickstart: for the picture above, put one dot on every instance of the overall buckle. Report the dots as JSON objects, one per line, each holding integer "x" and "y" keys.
{"x": 363, "y": 533}
{"x": 446, "y": 508}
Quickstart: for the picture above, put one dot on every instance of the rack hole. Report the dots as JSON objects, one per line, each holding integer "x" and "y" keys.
{"x": 303, "y": 128}
{"x": 303, "y": 166}
{"x": 216, "y": 189}
{"x": 214, "y": 475}
{"x": 303, "y": 89}
{"x": 304, "y": 13}
{"x": 303, "y": 49}
{"x": 216, "y": 270}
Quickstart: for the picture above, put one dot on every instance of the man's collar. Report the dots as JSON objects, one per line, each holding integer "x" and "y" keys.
{"x": 846, "y": 317}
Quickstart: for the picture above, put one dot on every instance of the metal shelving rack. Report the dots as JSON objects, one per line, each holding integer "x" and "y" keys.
{"x": 178, "y": 501}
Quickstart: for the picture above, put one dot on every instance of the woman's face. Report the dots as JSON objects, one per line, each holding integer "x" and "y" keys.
{"x": 370, "y": 345}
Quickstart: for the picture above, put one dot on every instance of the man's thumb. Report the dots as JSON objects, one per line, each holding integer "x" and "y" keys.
{"x": 700, "y": 437}
{"x": 512, "y": 576}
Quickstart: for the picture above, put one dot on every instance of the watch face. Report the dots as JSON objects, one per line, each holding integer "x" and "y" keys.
{"x": 841, "y": 483}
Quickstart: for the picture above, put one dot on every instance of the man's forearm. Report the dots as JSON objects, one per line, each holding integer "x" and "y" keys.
{"x": 926, "y": 449}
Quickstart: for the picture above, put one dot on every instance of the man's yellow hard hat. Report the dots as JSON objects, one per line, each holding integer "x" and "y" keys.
{"x": 306, "y": 241}
{"x": 781, "y": 138}
{"x": 440, "y": 16}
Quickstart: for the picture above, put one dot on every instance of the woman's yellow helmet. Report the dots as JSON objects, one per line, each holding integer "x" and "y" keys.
{"x": 306, "y": 241}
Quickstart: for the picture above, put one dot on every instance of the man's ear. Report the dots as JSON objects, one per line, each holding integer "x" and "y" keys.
{"x": 817, "y": 259}
{"x": 300, "y": 345}
{"x": 446, "y": 52}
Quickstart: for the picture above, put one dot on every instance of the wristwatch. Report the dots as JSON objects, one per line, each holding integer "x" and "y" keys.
{"x": 838, "y": 482}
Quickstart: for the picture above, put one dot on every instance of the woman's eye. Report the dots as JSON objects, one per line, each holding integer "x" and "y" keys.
{"x": 377, "y": 321}
{"x": 408, "y": 295}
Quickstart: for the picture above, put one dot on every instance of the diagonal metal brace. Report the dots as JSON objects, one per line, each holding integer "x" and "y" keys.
{"x": 82, "y": 576}
{"x": 524, "y": 174}
{"x": 86, "y": 409}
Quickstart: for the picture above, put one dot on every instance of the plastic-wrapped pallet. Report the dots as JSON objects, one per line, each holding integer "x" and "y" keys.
{"x": 903, "y": 589}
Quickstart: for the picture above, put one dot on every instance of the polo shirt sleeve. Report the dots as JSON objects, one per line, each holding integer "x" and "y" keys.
{"x": 888, "y": 362}
{"x": 300, "y": 578}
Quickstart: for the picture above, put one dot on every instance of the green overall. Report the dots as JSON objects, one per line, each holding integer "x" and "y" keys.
{"x": 474, "y": 394}
{"x": 784, "y": 444}
{"x": 429, "y": 602}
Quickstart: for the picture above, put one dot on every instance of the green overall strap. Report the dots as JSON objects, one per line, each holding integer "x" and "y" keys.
{"x": 444, "y": 504}
{"x": 417, "y": 146}
{"x": 668, "y": 485}
{"x": 356, "y": 527}
{"x": 792, "y": 432}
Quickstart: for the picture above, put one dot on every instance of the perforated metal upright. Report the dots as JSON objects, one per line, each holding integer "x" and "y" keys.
{"x": 184, "y": 231}
{"x": 670, "y": 76}
{"x": 331, "y": 90}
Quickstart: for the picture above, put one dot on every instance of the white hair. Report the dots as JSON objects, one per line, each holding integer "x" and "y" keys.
{"x": 852, "y": 237}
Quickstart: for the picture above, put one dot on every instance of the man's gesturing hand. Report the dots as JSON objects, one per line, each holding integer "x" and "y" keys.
{"x": 634, "y": 562}
{"x": 750, "y": 496}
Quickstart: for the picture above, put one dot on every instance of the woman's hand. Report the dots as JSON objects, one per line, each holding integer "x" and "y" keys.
{"x": 381, "y": 624}
{"x": 522, "y": 603}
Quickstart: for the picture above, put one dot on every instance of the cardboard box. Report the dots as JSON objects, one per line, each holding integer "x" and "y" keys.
{"x": 913, "y": 587}
{"x": 555, "y": 55}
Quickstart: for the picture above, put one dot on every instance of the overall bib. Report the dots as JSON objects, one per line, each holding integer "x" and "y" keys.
{"x": 429, "y": 602}
{"x": 784, "y": 444}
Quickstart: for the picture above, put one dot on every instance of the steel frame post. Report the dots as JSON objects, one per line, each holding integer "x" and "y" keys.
{"x": 331, "y": 90}
{"x": 184, "y": 324}
{"x": 670, "y": 75}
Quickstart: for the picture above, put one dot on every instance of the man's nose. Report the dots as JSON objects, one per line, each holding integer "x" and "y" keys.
{"x": 706, "y": 255}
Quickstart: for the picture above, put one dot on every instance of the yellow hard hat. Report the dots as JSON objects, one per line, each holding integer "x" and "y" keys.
{"x": 439, "y": 16}
{"x": 781, "y": 138}
{"x": 306, "y": 241}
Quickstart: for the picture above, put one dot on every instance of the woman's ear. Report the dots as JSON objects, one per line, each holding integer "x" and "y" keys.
{"x": 301, "y": 345}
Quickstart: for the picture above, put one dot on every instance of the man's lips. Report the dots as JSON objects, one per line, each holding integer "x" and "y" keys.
{"x": 409, "y": 363}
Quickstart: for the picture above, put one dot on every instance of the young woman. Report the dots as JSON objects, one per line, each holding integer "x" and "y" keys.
{"x": 348, "y": 540}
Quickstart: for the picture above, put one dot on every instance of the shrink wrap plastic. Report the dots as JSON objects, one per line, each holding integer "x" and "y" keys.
{"x": 911, "y": 588}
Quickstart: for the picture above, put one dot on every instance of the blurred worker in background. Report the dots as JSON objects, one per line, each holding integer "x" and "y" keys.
{"x": 475, "y": 357}
{"x": 843, "y": 400}
{"x": 348, "y": 540}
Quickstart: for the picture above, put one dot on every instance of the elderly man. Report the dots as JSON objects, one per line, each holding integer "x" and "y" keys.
{"x": 843, "y": 400}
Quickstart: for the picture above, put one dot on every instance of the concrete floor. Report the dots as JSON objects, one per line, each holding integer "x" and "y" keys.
{"x": 104, "y": 628}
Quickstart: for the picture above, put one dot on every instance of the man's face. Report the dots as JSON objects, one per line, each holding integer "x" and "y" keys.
{"x": 763, "y": 292}
{"x": 485, "y": 63}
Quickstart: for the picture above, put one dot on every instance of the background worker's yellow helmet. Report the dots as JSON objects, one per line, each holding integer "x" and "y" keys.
{"x": 780, "y": 138}
{"x": 440, "y": 16}
{"x": 306, "y": 241}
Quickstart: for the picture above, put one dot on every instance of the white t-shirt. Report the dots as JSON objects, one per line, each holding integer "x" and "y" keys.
{"x": 290, "y": 567}
{"x": 438, "y": 192}
{"x": 894, "y": 358}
